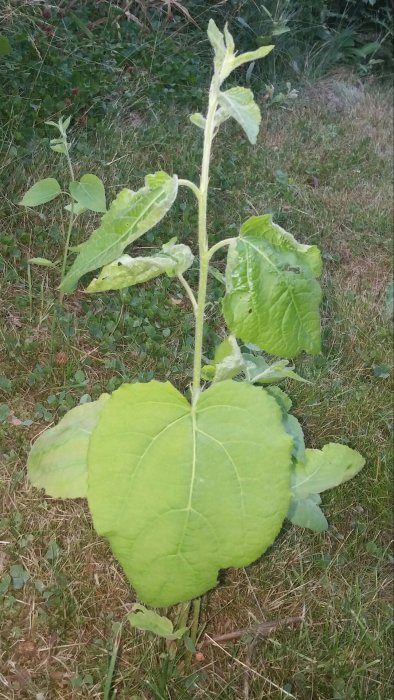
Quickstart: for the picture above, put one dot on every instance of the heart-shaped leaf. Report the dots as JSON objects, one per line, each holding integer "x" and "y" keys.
{"x": 89, "y": 192}
{"x": 272, "y": 295}
{"x": 182, "y": 492}
{"x": 43, "y": 191}
{"x": 58, "y": 459}
{"x": 130, "y": 215}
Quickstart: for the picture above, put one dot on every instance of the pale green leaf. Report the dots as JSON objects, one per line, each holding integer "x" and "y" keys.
{"x": 258, "y": 371}
{"x": 44, "y": 262}
{"x": 293, "y": 427}
{"x": 149, "y": 621}
{"x": 238, "y": 102}
{"x": 306, "y": 513}
{"x": 183, "y": 492}
{"x": 228, "y": 361}
{"x": 280, "y": 396}
{"x": 43, "y": 191}
{"x": 130, "y": 215}
{"x": 58, "y": 148}
{"x": 58, "y": 459}
{"x": 261, "y": 52}
{"x": 77, "y": 209}
{"x": 128, "y": 271}
{"x": 89, "y": 192}
{"x": 272, "y": 295}
{"x": 198, "y": 120}
{"x": 324, "y": 469}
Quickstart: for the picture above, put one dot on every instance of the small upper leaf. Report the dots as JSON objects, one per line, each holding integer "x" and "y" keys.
{"x": 324, "y": 469}
{"x": 228, "y": 361}
{"x": 43, "y": 191}
{"x": 226, "y": 59}
{"x": 128, "y": 271}
{"x": 130, "y": 215}
{"x": 238, "y": 102}
{"x": 272, "y": 295}
{"x": 89, "y": 193}
{"x": 149, "y": 621}
{"x": 58, "y": 459}
{"x": 198, "y": 120}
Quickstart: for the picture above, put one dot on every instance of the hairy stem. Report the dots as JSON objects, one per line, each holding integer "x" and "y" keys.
{"x": 202, "y": 235}
{"x": 191, "y": 186}
{"x": 219, "y": 245}
{"x": 66, "y": 249}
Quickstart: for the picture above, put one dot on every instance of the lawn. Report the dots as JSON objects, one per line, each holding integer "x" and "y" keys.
{"x": 322, "y": 166}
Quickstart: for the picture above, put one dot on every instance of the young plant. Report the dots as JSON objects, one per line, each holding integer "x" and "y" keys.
{"x": 86, "y": 194}
{"x": 184, "y": 489}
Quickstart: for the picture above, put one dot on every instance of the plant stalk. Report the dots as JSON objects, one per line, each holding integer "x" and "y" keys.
{"x": 66, "y": 249}
{"x": 202, "y": 235}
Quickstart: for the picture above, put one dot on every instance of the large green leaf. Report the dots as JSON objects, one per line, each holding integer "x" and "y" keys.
{"x": 43, "y": 191}
{"x": 183, "y": 492}
{"x": 130, "y": 215}
{"x": 238, "y": 102}
{"x": 324, "y": 469}
{"x": 272, "y": 295}
{"x": 128, "y": 271}
{"x": 58, "y": 459}
{"x": 89, "y": 193}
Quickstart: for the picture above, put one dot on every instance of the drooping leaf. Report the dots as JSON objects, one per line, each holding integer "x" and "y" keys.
{"x": 228, "y": 362}
{"x": 130, "y": 215}
{"x": 149, "y": 621}
{"x": 128, "y": 271}
{"x": 258, "y": 371}
{"x": 238, "y": 102}
{"x": 58, "y": 459}
{"x": 41, "y": 192}
{"x": 183, "y": 492}
{"x": 306, "y": 513}
{"x": 323, "y": 469}
{"x": 293, "y": 427}
{"x": 89, "y": 192}
{"x": 272, "y": 295}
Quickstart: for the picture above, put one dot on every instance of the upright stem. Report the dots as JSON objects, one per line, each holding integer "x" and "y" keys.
{"x": 66, "y": 248}
{"x": 202, "y": 235}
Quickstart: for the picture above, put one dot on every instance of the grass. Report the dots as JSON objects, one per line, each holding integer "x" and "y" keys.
{"x": 325, "y": 175}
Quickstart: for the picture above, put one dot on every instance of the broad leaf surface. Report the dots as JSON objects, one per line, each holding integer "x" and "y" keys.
{"x": 183, "y": 493}
{"x": 89, "y": 192}
{"x": 238, "y": 102}
{"x": 58, "y": 459}
{"x": 128, "y": 271}
{"x": 43, "y": 191}
{"x": 307, "y": 513}
{"x": 324, "y": 469}
{"x": 130, "y": 215}
{"x": 272, "y": 295}
{"x": 149, "y": 621}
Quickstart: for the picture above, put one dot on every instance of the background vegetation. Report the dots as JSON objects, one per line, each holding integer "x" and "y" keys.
{"x": 322, "y": 166}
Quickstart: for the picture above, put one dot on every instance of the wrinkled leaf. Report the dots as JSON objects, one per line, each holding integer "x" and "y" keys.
{"x": 58, "y": 459}
{"x": 181, "y": 493}
{"x": 227, "y": 363}
{"x": 258, "y": 371}
{"x": 89, "y": 192}
{"x": 272, "y": 295}
{"x": 130, "y": 215}
{"x": 149, "y": 621}
{"x": 238, "y": 102}
{"x": 323, "y": 469}
{"x": 306, "y": 513}
{"x": 41, "y": 192}
{"x": 128, "y": 271}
